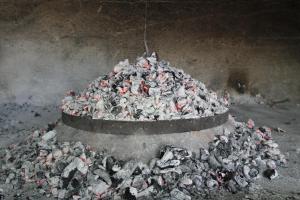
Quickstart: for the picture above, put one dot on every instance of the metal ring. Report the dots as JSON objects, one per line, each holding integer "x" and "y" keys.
{"x": 143, "y": 127}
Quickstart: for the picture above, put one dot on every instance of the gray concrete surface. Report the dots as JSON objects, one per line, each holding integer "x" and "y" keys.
{"x": 49, "y": 47}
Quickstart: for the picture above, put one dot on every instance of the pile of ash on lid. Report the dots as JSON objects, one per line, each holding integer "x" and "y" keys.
{"x": 146, "y": 90}
{"x": 232, "y": 162}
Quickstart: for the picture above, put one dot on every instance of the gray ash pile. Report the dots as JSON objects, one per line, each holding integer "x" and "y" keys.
{"x": 232, "y": 162}
{"x": 146, "y": 90}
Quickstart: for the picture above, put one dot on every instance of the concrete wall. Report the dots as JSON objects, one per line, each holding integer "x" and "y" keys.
{"x": 48, "y": 47}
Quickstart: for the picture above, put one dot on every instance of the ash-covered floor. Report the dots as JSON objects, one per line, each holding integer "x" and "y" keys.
{"x": 18, "y": 121}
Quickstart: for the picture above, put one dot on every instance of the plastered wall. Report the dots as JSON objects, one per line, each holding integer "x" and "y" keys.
{"x": 48, "y": 47}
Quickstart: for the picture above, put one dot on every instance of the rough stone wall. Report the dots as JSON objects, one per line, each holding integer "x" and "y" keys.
{"x": 48, "y": 47}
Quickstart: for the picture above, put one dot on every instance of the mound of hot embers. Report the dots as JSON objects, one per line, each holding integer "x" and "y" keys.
{"x": 233, "y": 160}
{"x": 146, "y": 90}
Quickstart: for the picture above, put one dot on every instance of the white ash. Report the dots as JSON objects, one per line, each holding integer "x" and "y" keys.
{"x": 232, "y": 162}
{"x": 146, "y": 90}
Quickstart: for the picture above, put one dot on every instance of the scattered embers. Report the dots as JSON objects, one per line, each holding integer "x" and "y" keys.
{"x": 146, "y": 90}
{"x": 232, "y": 162}
{"x": 1, "y": 194}
{"x": 36, "y": 114}
{"x": 280, "y": 130}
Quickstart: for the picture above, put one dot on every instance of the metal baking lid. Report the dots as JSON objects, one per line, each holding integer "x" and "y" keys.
{"x": 143, "y": 127}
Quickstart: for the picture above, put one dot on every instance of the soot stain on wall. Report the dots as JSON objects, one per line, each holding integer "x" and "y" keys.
{"x": 238, "y": 80}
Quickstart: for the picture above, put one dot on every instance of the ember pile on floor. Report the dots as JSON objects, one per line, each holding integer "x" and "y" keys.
{"x": 232, "y": 162}
{"x": 147, "y": 90}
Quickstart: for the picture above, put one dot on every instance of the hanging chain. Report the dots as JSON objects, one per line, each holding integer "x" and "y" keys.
{"x": 145, "y": 28}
